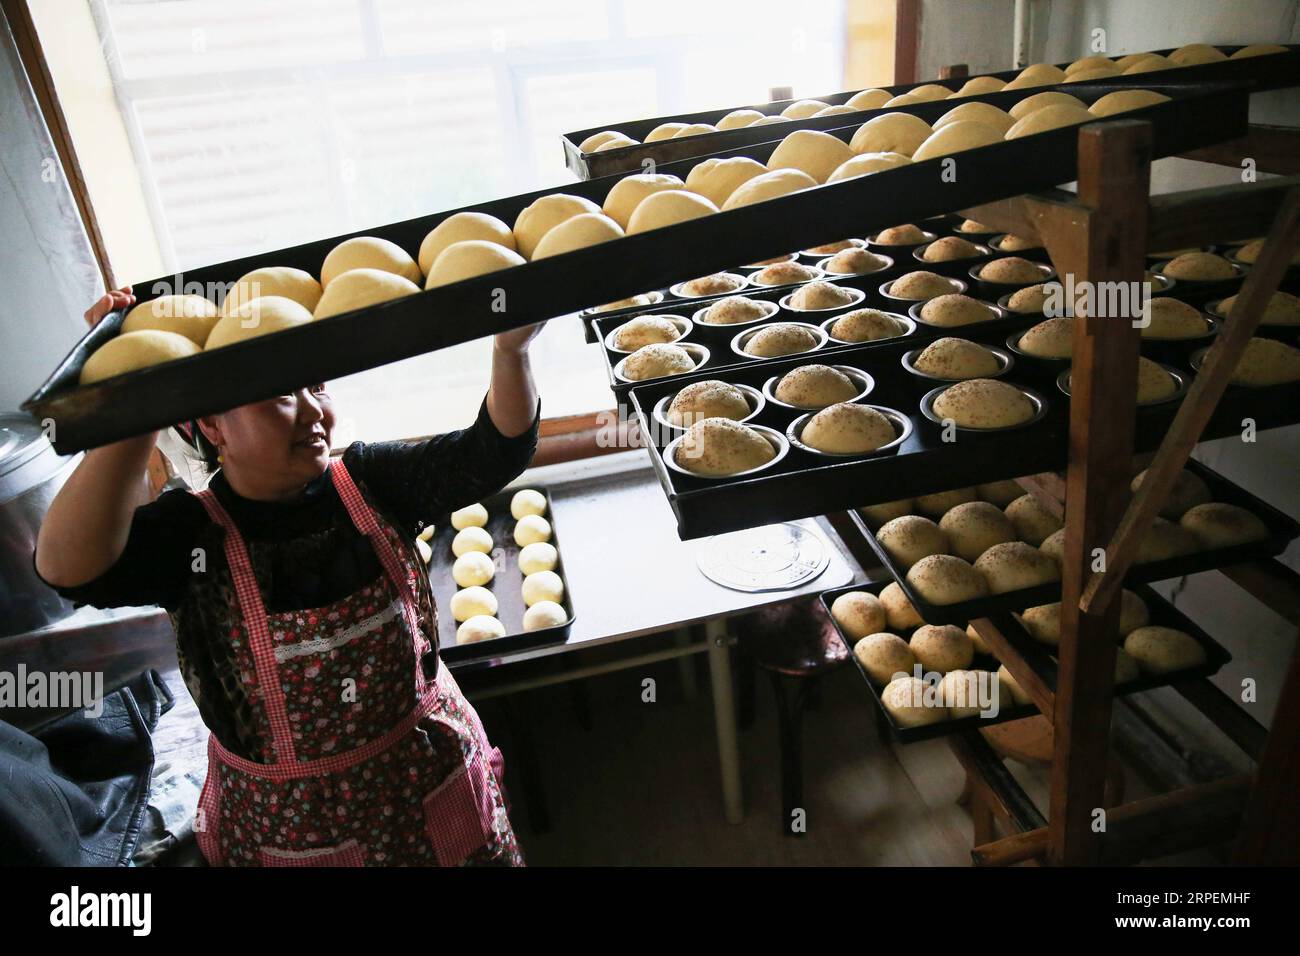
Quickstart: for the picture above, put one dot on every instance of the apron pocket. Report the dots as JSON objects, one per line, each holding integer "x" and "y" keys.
{"x": 458, "y": 814}
{"x": 347, "y": 853}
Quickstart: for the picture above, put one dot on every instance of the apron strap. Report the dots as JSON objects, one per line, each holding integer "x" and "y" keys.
{"x": 259, "y": 634}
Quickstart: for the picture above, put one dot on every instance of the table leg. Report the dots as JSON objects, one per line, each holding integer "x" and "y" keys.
{"x": 724, "y": 719}
{"x": 686, "y": 664}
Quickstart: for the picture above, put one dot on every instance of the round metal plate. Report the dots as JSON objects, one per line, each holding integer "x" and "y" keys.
{"x": 772, "y": 558}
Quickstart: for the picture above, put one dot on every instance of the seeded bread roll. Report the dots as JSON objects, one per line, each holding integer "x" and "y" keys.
{"x": 784, "y": 273}
{"x": 1054, "y": 546}
{"x": 815, "y": 386}
{"x": 945, "y": 579}
{"x": 1163, "y": 650}
{"x": 959, "y": 691}
{"x": 974, "y": 527}
{"x": 1250, "y": 252}
{"x": 883, "y": 655}
{"x": 1000, "y": 493}
{"x": 716, "y": 284}
{"x": 859, "y": 613}
{"x": 1010, "y": 690}
{"x": 904, "y": 698}
{"x": 646, "y": 330}
{"x": 956, "y": 309}
{"x": 1164, "y": 540}
{"x": 821, "y": 295}
{"x": 950, "y": 248}
{"x": 900, "y": 614}
{"x": 941, "y": 647}
{"x": 1033, "y": 522}
{"x": 939, "y": 503}
{"x": 733, "y": 310}
{"x": 1217, "y": 524}
{"x": 654, "y": 361}
{"x": 1199, "y": 267}
{"x": 976, "y": 641}
{"x": 717, "y": 447}
{"x": 905, "y": 235}
{"x": 641, "y": 298}
{"x": 984, "y": 403}
{"x": 847, "y": 429}
{"x": 1011, "y": 270}
{"x": 866, "y": 325}
{"x": 910, "y": 538}
{"x": 1154, "y": 383}
{"x": 952, "y": 358}
{"x": 830, "y": 248}
{"x": 1015, "y": 565}
{"x": 881, "y": 514}
{"x": 1282, "y": 308}
{"x": 972, "y": 227}
{"x": 781, "y": 338}
{"x": 858, "y": 262}
{"x": 922, "y": 285}
{"x": 707, "y": 399}
{"x": 1169, "y": 318}
{"x": 1265, "y": 362}
{"x": 1051, "y": 338}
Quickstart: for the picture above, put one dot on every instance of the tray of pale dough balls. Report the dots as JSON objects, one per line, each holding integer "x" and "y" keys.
{"x": 934, "y": 679}
{"x": 498, "y": 577}
{"x": 627, "y": 145}
{"x": 970, "y": 552}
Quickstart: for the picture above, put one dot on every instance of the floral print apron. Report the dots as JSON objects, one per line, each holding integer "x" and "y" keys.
{"x": 366, "y": 762}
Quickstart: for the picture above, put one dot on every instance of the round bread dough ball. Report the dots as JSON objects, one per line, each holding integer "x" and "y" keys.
{"x": 1169, "y": 318}
{"x": 950, "y": 249}
{"x": 1037, "y": 74}
{"x": 471, "y": 516}
{"x": 639, "y": 299}
{"x": 859, "y": 613}
{"x": 942, "y": 647}
{"x": 784, "y": 273}
{"x": 956, "y": 309}
{"x": 771, "y": 185}
{"x": 656, "y": 361}
{"x": 358, "y": 289}
{"x": 261, "y": 316}
{"x": 960, "y": 692}
{"x": 1051, "y": 338}
{"x": 905, "y": 697}
{"x": 866, "y": 325}
{"x": 1014, "y": 565}
{"x": 883, "y": 655}
{"x": 910, "y": 538}
{"x": 1087, "y": 63}
{"x": 815, "y": 386}
{"x": 929, "y": 92}
{"x": 1122, "y": 101}
{"x": 834, "y": 111}
{"x": 1282, "y": 309}
{"x": 470, "y": 258}
{"x": 472, "y": 568}
{"x": 1217, "y": 524}
{"x": 661, "y": 132}
{"x": 1149, "y": 64}
{"x": 904, "y": 235}
{"x": 952, "y": 359}
{"x": 770, "y": 120}
{"x": 945, "y": 579}
{"x": 273, "y": 280}
{"x": 1189, "y": 490}
{"x": 708, "y": 399}
{"x": 811, "y": 151}
{"x": 368, "y": 252}
{"x": 543, "y": 215}
{"x": 527, "y": 501}
{"x": 1054, "y": 546}
{"x": 1010, "y": 243}
{"x": 1033, "y": 522}
{"x": 781, "y": 338}
{"x": 1250, "y": 253}
{"x": 830, "y": 248}
{"x": 802, "y": 109}
{"x": 847, "y": 429}
{"x": 1126, "y": 669}
{"x": 596, "y": 140}
{"x": 1011, "y": 270}
{"x": 715, "y": 284}
{"x": 857, "y": 262}
{"x": 1041, "y": 101}
{"x": 735, "y": 310}
{"x": 1043, "y": 623}
{"x": 646, "y": 330}
{"x": 1133, "y": 613}
{"x": 1267, "y": 362}
{"x": 821, "y": 295}
{"x": 1011, "y": 687}
{"x": 471, "y": 602}
{"x": 1191, "y": 54}
{"x": 618, "y": 142}
{"x": 1163, "y": 650}
{"x": 1035, "y": 298}
{"x": 1154, "y": 383}
{"x": 985, "y": 113}
{"x": 717, "y": 447}
{"x": 531, "y": 529}
{"x": 577, "y": 232}
{"x": 871, "y": 99}
{"x": 471, "y": 539}
{"x": 978, "y": 86}
{"x": 1165, "y": 540}
{"x": 739, "y": 119}
{"x": 130, "y": 351}
{"x": 544, "y": 614}
{"x": 921, "y": 285}
{"x": 956, "y": 137}
{"x": 1259, "y": 49}
{"x": 482, "y": 627}
{"x": 881, "y": 514}
{"x": 984, "y": 403}
{"x": 971, "y": 227}
{"x": 667, "y": 208}
{"x": 718, "y": 181}
{"x": 1000, "y": 493}
{"x": 1199, "y": 267}
{"x": 939, "y": 503}
{"x": 629, "y": 191}
{"x": 900, "y": 615}
{"x": 890, "y": 133}
{"x": 1087, "y": 76}
{"x": 864, "y": 164}
{"x": 538, "y": 556}
{"x": 189, "y": 315}
{"x": 974, "y": 527}
{"x": 543, "y": 586}
{"x": 462, "y": 227}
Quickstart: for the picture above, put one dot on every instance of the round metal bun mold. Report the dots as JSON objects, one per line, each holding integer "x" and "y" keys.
{"x": 699, "y": 352}
{"x": 999, "y": 314}
{"x": 902, "y": 432}
{"x": 698, "y": 317}
{"x": 1040, "y": 409}
{"x": 993, "y": 289}
{"x": 756, "y": 399}
{"x": 754, "y": 284}
{"x": 952, "y": 268}
{"x": 1006, "y": 362}
{"x": 883, "y": 289}
{"x": 859, "y": 298}
{"x": 864, "y": 380}
{"x": 655, "y": 297}
{"x": 1180, "y": 386}
{"x": 739, "y": 340}
{"x": 684, "y": 325}
{"x": 928, "y": 237}
{"x": 831, "y": 276}
{"x": 777, "y": 440}
{"x": 676, "y": 287}
{"x": 809, "y": 254}
{"x": 908, "y": 323}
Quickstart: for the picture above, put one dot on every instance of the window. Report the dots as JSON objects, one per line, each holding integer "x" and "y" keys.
{"x": 210, "y": 129}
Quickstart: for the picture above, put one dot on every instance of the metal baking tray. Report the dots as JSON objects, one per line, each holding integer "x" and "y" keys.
{"x": 1282, "y": 530}
{"x": 1039, "y": 657}
{"x": 505, "y": 585}
{"x": 154, "y": 398}
{"x": 1264, "y": 73}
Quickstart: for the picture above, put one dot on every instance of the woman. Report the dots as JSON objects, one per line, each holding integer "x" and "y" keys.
{"x": 302, "y": 615}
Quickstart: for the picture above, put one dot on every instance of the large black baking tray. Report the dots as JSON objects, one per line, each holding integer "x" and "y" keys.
{"x": 801, "y": 486}
{"x": 153, "y": 398}
{"x": 1282, "y": 530}
{"x": 1039, "y": 657}
{"x": 1263, "y": 72}
{"x": 505, "y": 585}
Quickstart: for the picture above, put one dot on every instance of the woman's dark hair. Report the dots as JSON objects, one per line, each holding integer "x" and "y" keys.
{"x": 207, "y": 451}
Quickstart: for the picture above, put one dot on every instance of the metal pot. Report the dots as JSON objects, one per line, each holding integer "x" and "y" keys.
{"x": 31, "y": 473}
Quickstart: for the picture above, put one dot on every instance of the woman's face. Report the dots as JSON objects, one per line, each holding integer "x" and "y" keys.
{"x": 276, "y": 445}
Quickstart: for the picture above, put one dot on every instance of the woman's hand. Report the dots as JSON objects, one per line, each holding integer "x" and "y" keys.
{"x": 110, "y": 302}
{"x": 517, "y": 340}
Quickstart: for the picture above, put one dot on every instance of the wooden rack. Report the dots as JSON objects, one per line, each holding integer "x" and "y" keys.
{"x": 1102, "y": 235}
